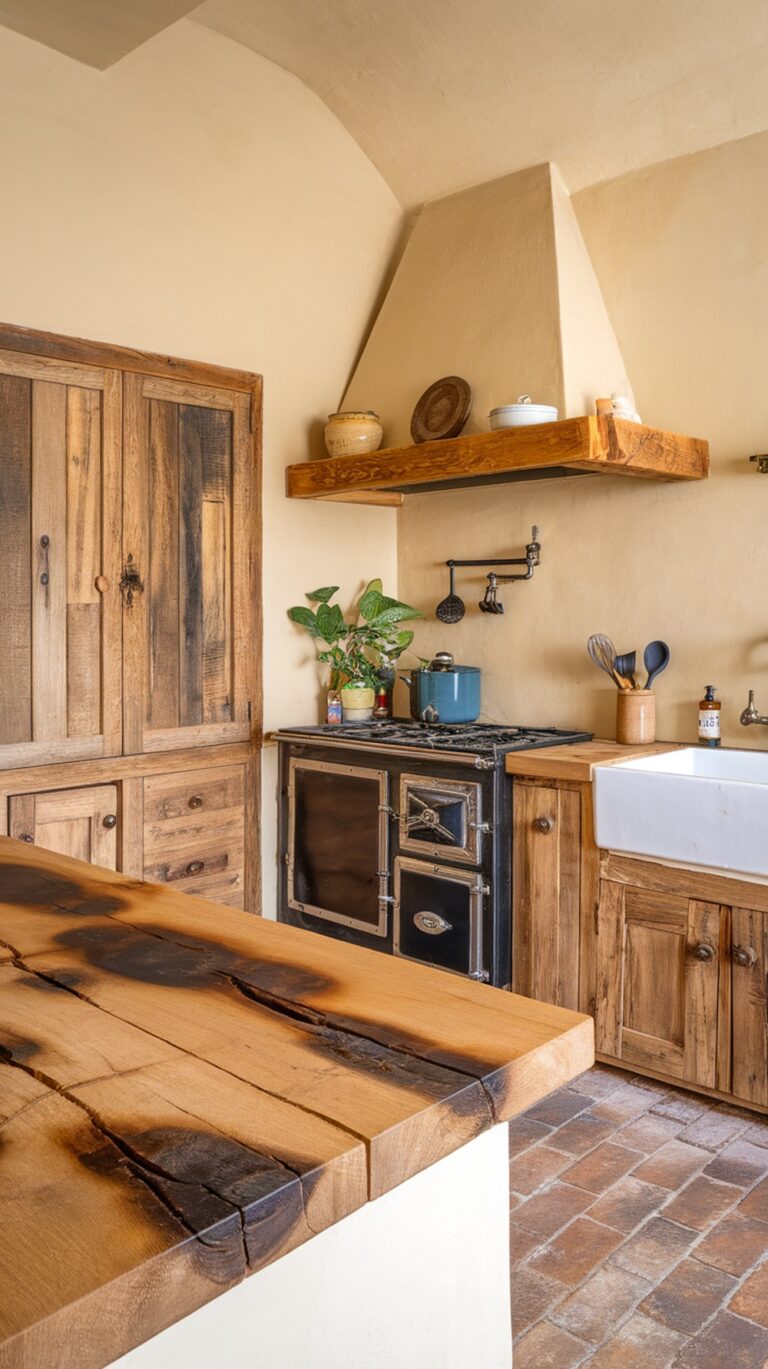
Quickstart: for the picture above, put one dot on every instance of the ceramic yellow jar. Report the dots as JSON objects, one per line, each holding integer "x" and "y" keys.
{"x": 353, "y": 433}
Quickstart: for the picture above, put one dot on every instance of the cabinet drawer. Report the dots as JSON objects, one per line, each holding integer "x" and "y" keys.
{"x": 194, "y": 833}
{"x": 193, "y": 792}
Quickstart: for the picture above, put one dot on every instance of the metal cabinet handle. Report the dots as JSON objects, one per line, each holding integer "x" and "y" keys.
{"x": 432, "y": 923}
{"x": 45, "y": 543}
{"x": 109, "y": 821}
{"x": 195, "y": 866}
{"x": 196, "y": 801}
{"x": 744, "y": 955}
{"x": 26, "y": 836}
{"x": 543, "y": 824}
{"x": 703, "y": 951}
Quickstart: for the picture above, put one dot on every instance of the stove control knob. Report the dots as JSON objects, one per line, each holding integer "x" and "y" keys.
{"x": 431, "y": 923}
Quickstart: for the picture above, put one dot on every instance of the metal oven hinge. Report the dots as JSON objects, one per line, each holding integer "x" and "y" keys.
{"x": 484, "y": 763}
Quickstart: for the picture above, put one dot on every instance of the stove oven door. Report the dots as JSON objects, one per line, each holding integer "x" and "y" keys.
{"x": 338, "y": 843}
{"x": 438, "y": 916}
{"x": 441, "y": 818}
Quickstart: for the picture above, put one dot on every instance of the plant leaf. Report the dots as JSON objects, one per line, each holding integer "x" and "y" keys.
{"x": 305, "y": 618}
{"x": 392, "y": 611}
{"x": 321, "y": 596}
{"x": 330, "y": 623}
{"x": 371, "y": 602}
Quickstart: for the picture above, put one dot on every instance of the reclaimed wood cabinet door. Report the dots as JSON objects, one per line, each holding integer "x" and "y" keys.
{"x": 75, "y": 822}
{"x": 188, "y": 550}
{"x": 60, "y": 682}
{"x": 749, "y": 967}
{"x": 659, "y": 958}
{"x": 546, "y": 868}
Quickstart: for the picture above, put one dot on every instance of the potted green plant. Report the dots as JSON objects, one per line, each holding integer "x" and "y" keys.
{"x": 357, "y": 651}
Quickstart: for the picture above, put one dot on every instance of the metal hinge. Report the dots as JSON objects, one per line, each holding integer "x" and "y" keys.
{"x": 484, "y": 763}
{"x": 130, "y": 582}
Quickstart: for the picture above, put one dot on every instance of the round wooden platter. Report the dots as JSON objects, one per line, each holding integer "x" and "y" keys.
{"x": 442, "y": 410}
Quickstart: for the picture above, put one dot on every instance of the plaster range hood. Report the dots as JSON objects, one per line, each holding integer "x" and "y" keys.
{"x": 496, "y": 285}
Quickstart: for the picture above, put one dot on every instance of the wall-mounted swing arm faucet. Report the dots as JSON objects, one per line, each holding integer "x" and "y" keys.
{"x": 750, "y": 714}
{"x": 489, "y": 602}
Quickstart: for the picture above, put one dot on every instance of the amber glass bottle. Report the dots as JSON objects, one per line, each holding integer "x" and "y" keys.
{"x": 709, "y": 718}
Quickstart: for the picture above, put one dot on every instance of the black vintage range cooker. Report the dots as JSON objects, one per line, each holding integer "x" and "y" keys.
{"x": 397, "y": 836}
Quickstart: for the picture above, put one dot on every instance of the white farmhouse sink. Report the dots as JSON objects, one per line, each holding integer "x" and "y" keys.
{"x": 698, "y": 806}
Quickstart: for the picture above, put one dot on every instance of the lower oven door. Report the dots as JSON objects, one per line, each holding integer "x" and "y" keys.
{"x": 438, "y": 916}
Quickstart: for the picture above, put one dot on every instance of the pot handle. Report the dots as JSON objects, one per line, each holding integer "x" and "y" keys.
{"x": 430, "y": 714}
{"x": 407, "y": 680}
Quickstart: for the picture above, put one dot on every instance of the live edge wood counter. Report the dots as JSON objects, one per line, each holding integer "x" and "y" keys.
{"x": 188, "y": 1093}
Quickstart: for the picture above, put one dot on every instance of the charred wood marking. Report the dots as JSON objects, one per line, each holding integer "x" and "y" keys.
{"x": 150, "y": 955}
{"x": 30, "y": 887}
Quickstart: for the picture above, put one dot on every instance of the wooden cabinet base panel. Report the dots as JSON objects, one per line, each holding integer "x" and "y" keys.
{"x": 187, "y": 819}
{"x": 629, "y": 1068}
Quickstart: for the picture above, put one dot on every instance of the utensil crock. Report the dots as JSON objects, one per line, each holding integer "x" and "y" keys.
{"x": 635, "y": 717}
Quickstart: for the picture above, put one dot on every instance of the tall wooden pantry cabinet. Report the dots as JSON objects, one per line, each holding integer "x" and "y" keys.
{"x": 130, "y": 676}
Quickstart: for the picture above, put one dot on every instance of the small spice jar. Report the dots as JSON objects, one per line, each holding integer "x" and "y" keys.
{"x": 635, "y": 717}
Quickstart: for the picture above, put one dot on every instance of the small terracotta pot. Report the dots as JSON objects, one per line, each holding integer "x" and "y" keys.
{"x": 635, "y": 717}
{"x": 353, "y": 433}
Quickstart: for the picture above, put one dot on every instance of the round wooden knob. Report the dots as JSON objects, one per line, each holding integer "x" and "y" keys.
{"x": 109, "y": 821}
{"x": 744, "y": 955}
{"x": 195, "y": 866}
{"x": 703, "y": 951}
{"x": 26, "y": 836}
{"x": 102, "y": 584}
{"x": 543, "y": 824}
{"x": 196, "y": 801}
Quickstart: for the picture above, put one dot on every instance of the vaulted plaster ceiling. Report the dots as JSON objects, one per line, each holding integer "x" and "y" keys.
{"x": 443, "y": 94}
{"x": 97, "y": 32}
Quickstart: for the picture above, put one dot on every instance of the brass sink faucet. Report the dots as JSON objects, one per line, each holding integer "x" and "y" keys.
{"x": 750, "y": 714}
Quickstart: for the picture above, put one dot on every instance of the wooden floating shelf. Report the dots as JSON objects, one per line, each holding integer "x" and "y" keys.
{"x": 574, "y": 446}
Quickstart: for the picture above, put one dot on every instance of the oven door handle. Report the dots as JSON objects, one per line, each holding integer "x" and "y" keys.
{"x": 431, "y": 923}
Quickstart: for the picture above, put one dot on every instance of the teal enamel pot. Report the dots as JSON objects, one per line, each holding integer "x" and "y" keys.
{"x": 445, "y": 693}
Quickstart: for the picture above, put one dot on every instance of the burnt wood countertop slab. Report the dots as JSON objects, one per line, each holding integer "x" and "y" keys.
{"x": 188, "y": 1092}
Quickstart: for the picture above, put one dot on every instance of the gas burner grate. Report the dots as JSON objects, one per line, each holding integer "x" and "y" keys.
{"x": 476, "y": 738}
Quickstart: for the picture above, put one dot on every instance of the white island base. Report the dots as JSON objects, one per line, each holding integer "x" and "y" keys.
{"x": 418, "y": 1279}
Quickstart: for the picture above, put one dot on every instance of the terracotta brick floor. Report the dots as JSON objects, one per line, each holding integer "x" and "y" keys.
{"x": 639, "y": 1229}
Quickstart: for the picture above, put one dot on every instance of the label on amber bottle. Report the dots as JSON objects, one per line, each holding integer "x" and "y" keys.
{"x": 709, "y": 724}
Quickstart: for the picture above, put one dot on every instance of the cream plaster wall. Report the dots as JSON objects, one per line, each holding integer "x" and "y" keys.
{"x": 197, "y": 200}
{"x": 681, "y": 254}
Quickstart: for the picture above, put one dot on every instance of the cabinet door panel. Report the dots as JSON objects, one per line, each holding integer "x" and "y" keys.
{"x": 187, "y": 534}
{"x": 657, "y": 1000}
{"x": 546, "y": 893}
{"x": 750, "y": 1009}
{"x": 74, "y": 822}
{"x": 59, "y": 524}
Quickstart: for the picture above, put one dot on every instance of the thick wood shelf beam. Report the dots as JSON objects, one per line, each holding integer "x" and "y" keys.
{"x": 570, "y": 447}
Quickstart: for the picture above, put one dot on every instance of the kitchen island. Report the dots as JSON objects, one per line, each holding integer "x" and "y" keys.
{"x": 190, "y": 1095}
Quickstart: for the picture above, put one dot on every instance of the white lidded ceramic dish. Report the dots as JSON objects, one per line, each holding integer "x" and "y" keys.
{"x": 522, "y": 413}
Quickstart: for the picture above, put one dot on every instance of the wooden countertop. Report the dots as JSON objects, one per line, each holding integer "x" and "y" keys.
{"x": 576, "y": 762}
{"x": 188, "y": 1092}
